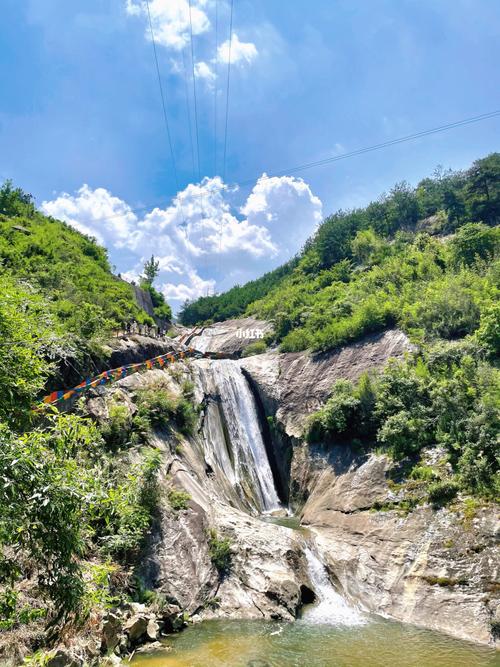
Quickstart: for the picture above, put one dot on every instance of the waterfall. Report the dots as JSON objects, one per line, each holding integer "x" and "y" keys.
{"x": 243, "y": 459}
{"x": 331, "y": 608}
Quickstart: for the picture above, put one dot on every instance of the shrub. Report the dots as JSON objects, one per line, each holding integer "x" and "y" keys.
{"x": 179, "y": 500}
{"x": 488, "y": 333}
{"x": 157, "y": 405}
{"x": 447, "y": 310}
{"x": 162, "y": 410}
{"x": 98, "y": 593}
{"x": 24, "y": 319}
{"x": 424, "y": 473}
{"x": 440, "y": 493}
{"x": 220, "y": 551}
{"x": 123, "y": 511}
{"x": 42, "y": 501}
{"x": 185, "y": 417}
{"x": 117, "y": 429}
{"x": 258, "y": 347}
{"x": 337, "y": 416}
{"x": 367, "y": 246}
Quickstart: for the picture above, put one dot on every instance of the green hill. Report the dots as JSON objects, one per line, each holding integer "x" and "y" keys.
{"x": 369, "y": 268}
{"x": 69, "y": 269}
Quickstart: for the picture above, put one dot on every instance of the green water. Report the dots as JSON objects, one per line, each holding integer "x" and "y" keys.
{"x": 379, "y": 643}
{"x": 292, "y": 522}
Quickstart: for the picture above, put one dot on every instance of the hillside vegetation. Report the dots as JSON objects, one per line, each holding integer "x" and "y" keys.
{"x": 69, "y": 269}
{"x": 77, "y": 496}
{"x": 426, "y": 260}
{"x": 234, "y": 302}
{"x": 320, "y": 299}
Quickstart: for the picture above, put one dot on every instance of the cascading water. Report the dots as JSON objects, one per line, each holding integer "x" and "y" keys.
{"x": 331, "y": 608}
{"x": 246, "y": 463}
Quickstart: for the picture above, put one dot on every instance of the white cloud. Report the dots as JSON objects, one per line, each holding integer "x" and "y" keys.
{"x": 198, "y": 240}
{"x": 243, "y": 52}
{"x": 96, "y": 213}
{"x": 170, "y": 20}
{"x": 202, "y": 70}
{"x": 194, "y": 288}
{"x": 287, "y": 207}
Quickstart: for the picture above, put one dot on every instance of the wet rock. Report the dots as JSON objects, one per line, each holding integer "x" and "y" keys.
{"x": 152, "y": 647}
{"x": 428, "y": 568}
{"x": 111, "y": 660}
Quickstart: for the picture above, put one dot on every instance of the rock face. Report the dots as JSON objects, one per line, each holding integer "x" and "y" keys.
{"x": 135, "y": 348}
{"x": 294, "y": 384}
{"x": 230, "y": 337}
{"x": 267, "y": 566}
{"x": 432, "y": 568}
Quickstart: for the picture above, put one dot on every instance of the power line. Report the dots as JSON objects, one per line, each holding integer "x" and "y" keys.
{"x": 186, "y": 93}
{"x": 164, "y": 106}
{"x": 196, "y": 114}
{"x": 376, "y": 147}
{"x": 216, "y": 67}
{"x": 335, "y": 158}
{"x": 194, "y": 92}
{"x": 227, "y": 88}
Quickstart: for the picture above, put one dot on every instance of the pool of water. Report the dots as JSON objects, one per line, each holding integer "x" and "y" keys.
{"x": 292, "y": 522}
{"x": 378, "y": 643}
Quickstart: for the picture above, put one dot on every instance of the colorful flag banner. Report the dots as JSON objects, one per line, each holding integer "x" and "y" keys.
{"x": 123, "y": 371}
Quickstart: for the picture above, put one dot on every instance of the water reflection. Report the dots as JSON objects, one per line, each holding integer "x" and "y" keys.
{"x": 380, "y": 643}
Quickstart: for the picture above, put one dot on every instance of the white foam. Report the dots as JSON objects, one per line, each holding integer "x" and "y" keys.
{"x": 330, "y": 608}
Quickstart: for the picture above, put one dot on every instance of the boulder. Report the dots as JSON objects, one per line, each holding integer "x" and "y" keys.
{"x": 152, "y": 630}
{"x": 136, "y": 627}
{"x": 62, "y": 658}
{"x": 111, "y": 631}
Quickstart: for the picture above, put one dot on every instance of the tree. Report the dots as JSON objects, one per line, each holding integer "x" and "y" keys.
{"x": 150, "y": 272}
{"x": 484, "y": 189}
{"x": 402, "y": 211}
{"x": 14, "y": 201}
{"x": 366, "y": 245}
{"x": 472, "y": 241}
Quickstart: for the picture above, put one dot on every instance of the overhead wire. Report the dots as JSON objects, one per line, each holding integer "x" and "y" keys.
{"x": 216, "y": 72}
{"x": 227, "y": 89}
{"x": 216, "y": 68}
{"x": 194, "y": 91}
{"x": 186, "y": 94}
{"x": 164, "y": 107}
{"x": 195, "y": 97}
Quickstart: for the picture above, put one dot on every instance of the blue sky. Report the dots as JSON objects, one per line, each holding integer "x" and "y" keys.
{"x": 81, "y": 124}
